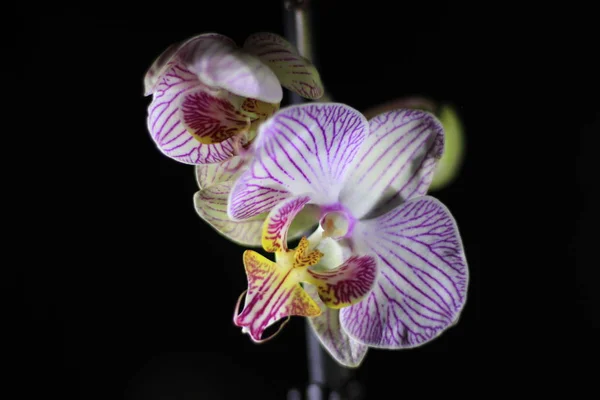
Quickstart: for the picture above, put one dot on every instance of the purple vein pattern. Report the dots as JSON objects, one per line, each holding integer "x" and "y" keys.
{"x": 295, "y": 72}
{"x": 165, "y": 125}
{"x": 180, "y": 53}
{"x": 347, "y": 284}
{"x": 235, "y": 70}
{"x": 397, "y": 159}
{"x": 278, "y": 222}
{"x": 303, "y": 149}
{"x": 422, "y": 281}
{"x": 342, "y": 347}
{"x": 215, "y": 182}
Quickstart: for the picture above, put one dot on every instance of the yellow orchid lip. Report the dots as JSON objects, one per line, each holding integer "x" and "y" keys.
{"x": 274, "y": 290}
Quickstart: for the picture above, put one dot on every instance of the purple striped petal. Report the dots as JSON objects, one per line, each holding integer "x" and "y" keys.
{"x": 210, "y": 174}
{"x": 166, "y": 127}
{"x": 223, "y": 65}
{"x": 327, "y": 328}
{"x": 396, "y": 162}
{"x": 278, "y": 222}
{"x": 210, "y": 119}
{"x": 177, "y": 53}
{"x": 295, "y": 72}
{"x": 215, "y": 182}
{"x": 304, "y": 149}
{"x": 346, "y": 284}
{"x": 423, "y": 277}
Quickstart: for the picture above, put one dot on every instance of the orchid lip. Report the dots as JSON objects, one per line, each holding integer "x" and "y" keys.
{"x": 337, "y": 221}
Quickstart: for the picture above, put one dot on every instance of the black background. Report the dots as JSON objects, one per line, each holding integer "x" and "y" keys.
{"x": 128, "y": 294}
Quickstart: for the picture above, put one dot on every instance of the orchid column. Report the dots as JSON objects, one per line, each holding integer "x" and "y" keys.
{"x": 324, "y": 373}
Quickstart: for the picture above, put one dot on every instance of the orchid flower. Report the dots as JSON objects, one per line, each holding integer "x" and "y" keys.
{"x": 368, "y": 179}
{"x": 209, "y": 96}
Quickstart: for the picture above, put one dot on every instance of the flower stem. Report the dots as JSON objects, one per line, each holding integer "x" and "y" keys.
{"x": 326, "y": 377}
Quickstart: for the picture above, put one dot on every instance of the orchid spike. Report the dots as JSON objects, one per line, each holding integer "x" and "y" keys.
{"x": 274, "y": 290}
{"x": 369, "y": 180}
{"x": 209, "y": 96}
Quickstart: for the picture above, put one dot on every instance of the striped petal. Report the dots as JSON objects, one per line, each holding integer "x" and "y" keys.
{"x": 273, "y": 293}
{"x": 327, "y": 328}
{"x": 209, "y": 118}
{"x": 278, "y": 222}
{"x": 396, "y": 162}
{"x": 423, "y": 277}
{"x": 166, "y": 126}
{"x": 295, "y": 72}
{"x": 178, "y": 53}
{"x": 303, "y": 149}
{"x": 215, "y": 182}
{"x": 221, "y": 64}
{"x": 347, "y": 284}
{"x": 210, "y": 174}
{"x": 158, "y": 68}
{"x": 211, "y": 206}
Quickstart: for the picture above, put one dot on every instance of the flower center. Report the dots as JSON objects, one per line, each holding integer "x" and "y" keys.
{"x": 337, "y": 223}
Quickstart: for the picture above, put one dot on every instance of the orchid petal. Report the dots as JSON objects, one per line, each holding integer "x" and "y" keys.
{"x": 303, "y": 149}
{"x": 347, "y": 284}
{"x": 166, "y": 127}
{"x": 158, "y": 68}
{"x": 210, "y": 174}
{"x": 327, "y": 328}
{"x": 223, "y": 65}
{"x": 277, "y": 224}
{"x": 295, "y": 72}
{"x": 211, "y": 206}
{"x": 423, "y": 277}
{"x": 176, "y": 53}
{"x": 209, "y": 118}
{"x": 396, "y": 161}
{"x": 273, "y": 293}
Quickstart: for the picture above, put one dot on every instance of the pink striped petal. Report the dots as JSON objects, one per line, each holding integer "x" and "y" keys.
{"x": 295, "y": 72}
{"x": 327, "y": 328}
{"x": 346, "y": 284}
{"x": 304, "y": 149}
{"x": 278, "y": 222}
{"x": 177, "y": 53}
{"x": 215, "y": 182}
{"x": 223, "y": 65}
{"x": 423, "y": 277}
{"x": 397, "y": 160}
{"x": 166, "y": 127}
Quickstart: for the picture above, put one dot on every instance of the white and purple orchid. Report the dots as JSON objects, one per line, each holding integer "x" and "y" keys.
{"x": 209, "y": 96}
{"x": 365, "y": 182}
